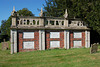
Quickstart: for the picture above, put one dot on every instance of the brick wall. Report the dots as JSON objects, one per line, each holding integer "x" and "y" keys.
{"x": 21, "y": 39}
{"x": 48, "y": 39}
{"x": 76, "y": 39}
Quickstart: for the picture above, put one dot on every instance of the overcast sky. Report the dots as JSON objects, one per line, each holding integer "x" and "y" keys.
{"x": 6, "y": 7}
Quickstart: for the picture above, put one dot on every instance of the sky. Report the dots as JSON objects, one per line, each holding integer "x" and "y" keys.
{"x": 6, "y": 7}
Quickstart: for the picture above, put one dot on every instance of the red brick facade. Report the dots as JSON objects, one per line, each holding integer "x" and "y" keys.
{"x": 76, "y": 39}
{"x": 21, "y": 40}
{"x": 48, "y": 39}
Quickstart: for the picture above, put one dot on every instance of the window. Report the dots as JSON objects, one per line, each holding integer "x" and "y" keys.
{"x": 28, "y": 34}
{"x": 77, "y": 34}
{"x": 54, "y": 34}
{"x": 77, "y": 43}
{"x": 28, "y": 45}
{"x": 54, "y": 44}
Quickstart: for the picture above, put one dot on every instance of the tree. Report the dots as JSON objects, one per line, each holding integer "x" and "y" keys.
{"x": 3, "y": 30}
{"x": 25, "y": 12}
{"x": 87, "y": 10}
{"x": 5, "y": 26}
{"x": 56, "y": 8}
{"x": 0, "y": 32}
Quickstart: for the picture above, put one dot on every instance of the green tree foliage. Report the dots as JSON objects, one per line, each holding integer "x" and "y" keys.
{"x": 87, "y": 10}
{"x": 0, "y": 32}
{"x": 5, "y": 26}
{"x": 56, "y": 8}
{"x": 25, "y": 12}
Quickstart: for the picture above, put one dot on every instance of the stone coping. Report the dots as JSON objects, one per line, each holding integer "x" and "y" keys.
{"x": 53, "y": 27}
{"x": 49, "y": 17}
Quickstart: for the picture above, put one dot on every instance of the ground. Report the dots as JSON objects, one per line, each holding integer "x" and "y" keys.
{"x": 76, "y": 57}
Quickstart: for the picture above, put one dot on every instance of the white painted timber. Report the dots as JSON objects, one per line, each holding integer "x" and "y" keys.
{"x": 28, "y": 35}
{"x": 54, "y": 34}
{"x": 28, "y": 45}
{"x": 54, "y": 44}
{"x": 77, "y": 34}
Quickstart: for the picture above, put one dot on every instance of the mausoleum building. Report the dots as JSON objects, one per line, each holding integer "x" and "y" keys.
{"x": 30, "y": 33}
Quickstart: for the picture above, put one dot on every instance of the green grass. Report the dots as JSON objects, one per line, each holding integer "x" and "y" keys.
{"x": 79, "y": 57}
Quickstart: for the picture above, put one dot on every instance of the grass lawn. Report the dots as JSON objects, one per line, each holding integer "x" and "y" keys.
{"x": 79, "y": 57}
